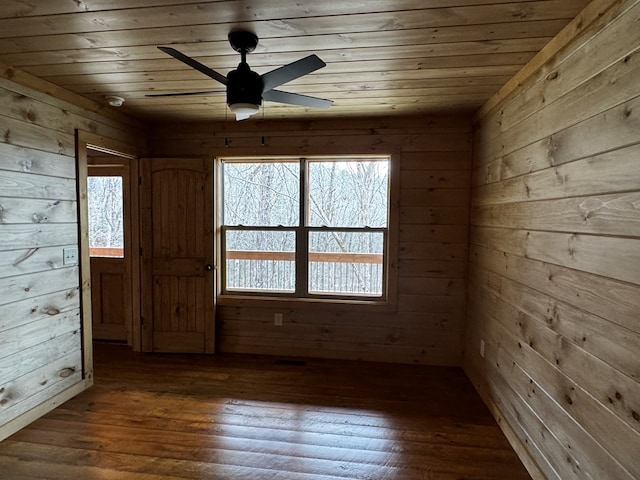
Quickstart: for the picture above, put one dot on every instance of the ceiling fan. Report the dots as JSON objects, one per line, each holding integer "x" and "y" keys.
{"x": 247, "y": 89}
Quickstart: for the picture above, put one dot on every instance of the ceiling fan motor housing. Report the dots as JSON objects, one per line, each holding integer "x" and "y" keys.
{"x": 244, "y": 86}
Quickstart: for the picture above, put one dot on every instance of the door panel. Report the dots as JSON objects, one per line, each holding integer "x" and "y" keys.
{"x": 109, "y": 314}
{"x": 177, "y": 230}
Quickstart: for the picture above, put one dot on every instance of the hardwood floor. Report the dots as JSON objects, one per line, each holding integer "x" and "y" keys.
{"x": 152, "y": 417}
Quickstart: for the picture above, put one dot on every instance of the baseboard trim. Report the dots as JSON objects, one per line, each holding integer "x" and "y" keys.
{"x": 32, "y": 415}
{"x": 521, "y": 451}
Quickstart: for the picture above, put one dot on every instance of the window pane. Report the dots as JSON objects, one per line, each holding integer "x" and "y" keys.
{"x": 260, "y": 261}
{"x": 261, "y": 193}
{"x": 106, "y": 233}
{"x": 348, "y": 193}
{"x": 346, "y": 263}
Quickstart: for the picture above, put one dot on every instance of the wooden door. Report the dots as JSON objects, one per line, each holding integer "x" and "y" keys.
{"x": 177, "y": 255}
{"x": 110, "y": 250}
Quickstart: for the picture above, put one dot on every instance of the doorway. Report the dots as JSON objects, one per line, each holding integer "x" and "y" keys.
{"x": 109, "y": 241}
{"x": 109, "y": 209}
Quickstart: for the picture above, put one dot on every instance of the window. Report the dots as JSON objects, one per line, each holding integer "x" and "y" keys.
{"x": 310, "y": 227}
{"x": 106, "y": 215}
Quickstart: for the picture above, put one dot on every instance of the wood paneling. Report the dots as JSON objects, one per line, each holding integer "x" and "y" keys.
{"x": 383, "y": 57}
{"x": 432, "y": 157}
{"x": 166, "y": 417}
{"x": 554, "y": 288}
{"x": 41, "y": 329}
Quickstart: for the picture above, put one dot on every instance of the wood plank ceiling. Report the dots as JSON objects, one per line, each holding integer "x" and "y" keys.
{"x": 384, "y": 57}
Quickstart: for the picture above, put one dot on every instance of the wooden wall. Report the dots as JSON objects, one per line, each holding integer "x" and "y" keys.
{"x": 40, "y": 324}
{"x": 554, "y": 270}
{"x": 434, "y": 159}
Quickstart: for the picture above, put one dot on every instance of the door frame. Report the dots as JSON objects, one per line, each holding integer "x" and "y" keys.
{"x": 89, "y": 141}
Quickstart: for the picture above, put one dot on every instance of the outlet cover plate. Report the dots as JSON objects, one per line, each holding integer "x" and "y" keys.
{"x": 70, "y": 256}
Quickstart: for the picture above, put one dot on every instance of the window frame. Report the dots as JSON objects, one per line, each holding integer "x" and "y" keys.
{"x": 303, "y": 231}
{"x": 109, "y": 170}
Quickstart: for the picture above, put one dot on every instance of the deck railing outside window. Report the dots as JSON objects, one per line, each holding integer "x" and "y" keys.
{"x": 339, "y": 273}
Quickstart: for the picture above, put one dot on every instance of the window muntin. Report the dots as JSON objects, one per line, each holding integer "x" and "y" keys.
{"x": 338, "y": 250}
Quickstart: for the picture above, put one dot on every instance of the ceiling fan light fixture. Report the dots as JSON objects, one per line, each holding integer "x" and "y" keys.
{"x": 243, "y": 110}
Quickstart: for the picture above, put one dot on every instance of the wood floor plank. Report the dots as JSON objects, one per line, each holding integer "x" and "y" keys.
{"x": 166, "y": 417}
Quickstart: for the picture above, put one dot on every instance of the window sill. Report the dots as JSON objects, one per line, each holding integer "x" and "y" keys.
{"x": 230, "y": 300}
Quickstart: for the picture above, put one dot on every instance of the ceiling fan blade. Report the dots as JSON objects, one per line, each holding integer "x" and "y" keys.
{"x": 194, "y": 64}
{"x": 183, "y": 94}
{"x": 289, "y": 72}
{"x": 296, "y": 99}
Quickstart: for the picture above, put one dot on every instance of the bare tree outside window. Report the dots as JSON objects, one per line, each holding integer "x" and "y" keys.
{"x": 106, "y": 216}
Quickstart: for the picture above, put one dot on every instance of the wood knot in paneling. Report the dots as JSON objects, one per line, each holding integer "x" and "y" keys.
{"x": 6, "y": 396}
{"x": 39, "y": 218}
{"x": 26, "y": 164}
{"x": 67, "y": 372}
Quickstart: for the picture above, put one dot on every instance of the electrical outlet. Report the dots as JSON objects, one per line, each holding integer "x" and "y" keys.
{"x": 277, "y": 319}
{"x": 482, "y": 348}
{"x": 70, "y": 256}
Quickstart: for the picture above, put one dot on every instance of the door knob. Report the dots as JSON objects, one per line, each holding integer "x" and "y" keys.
{"x": 208, "y": 267}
